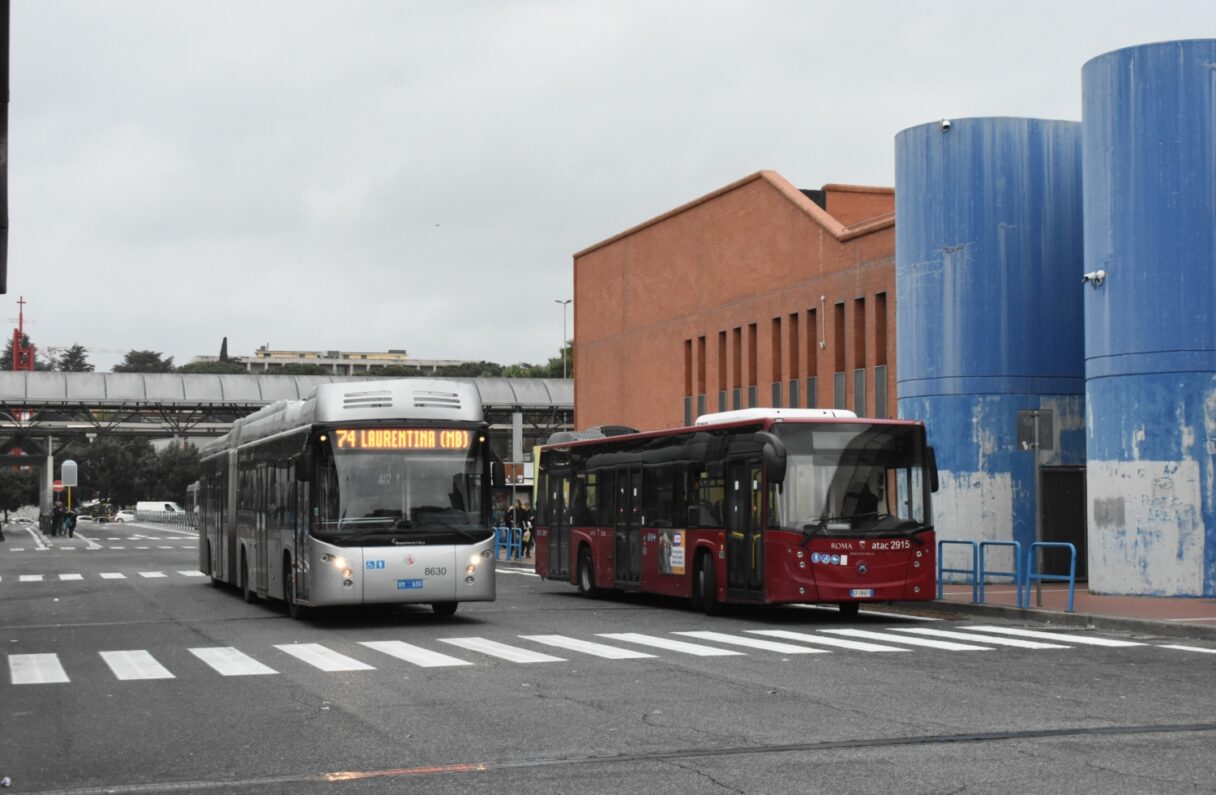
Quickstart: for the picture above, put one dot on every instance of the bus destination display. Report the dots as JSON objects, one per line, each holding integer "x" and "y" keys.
{"x": 453, "y": 439}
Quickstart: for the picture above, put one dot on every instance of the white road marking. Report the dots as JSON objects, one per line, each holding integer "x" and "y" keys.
{"x": 192, "y": 573}
{"x": 942, "y": 633}
{"x": 806, "y": 637}
{"x": 516, "y": 571}
{"x": 117, "y": 547}
{"x": 669, "y": 644}
{"x": 152, "y": 575}
{"x": 112, "y": 575}
{"x": 36, "y": 669}
{"x": 227, "y": 661}
{"x": 319, "y": 656}
{"x": 501, "y": 650}
{"x": 1065, "y": 637}
{"x": 38, "y": 545}
{"x": 166, "y": 547}
{"x": 91, "y": 544}
{"x": 1189, "y": 648}
{"x": 932, "y": 644}
{"x": 136, "y": 664}
{"x": 588, "y": 647}
{"x": 413, "y": 654}
{"x": 30, "y": 578}
{"x": 753, "y": 643}
{"x": 68, "y": 577}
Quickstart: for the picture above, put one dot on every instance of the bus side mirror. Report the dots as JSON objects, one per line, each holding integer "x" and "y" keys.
{"x": 304, "y": 466}
{"x": 774, "y": 456}
{"x": 931, "y": 456}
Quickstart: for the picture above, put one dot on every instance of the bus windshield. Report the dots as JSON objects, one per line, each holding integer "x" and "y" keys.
{"x": 851, "y": 479}
{"x": 399, "y": 494}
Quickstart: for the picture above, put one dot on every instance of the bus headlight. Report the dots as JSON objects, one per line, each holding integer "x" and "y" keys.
{"x": 337, "y": 561}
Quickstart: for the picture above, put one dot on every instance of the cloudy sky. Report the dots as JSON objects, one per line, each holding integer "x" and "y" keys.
{"x": 373, "y": 175}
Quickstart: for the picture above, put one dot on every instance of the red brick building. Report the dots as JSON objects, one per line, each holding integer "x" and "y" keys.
{"x": 758, "y": 294}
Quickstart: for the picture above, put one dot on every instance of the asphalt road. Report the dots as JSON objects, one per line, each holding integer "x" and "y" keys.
{"x": 128, "y": 672}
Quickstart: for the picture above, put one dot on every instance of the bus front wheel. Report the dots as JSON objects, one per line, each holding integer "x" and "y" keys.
{"x": 294, "y": 608}
{"x": 707, "y": 586}
{"x": 586, "y": 573}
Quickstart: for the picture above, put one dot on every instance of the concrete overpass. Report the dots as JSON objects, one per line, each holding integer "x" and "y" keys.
{"x": 43, "y": 412}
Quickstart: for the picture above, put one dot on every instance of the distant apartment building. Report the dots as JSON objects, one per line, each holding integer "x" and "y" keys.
{"x": 757, "y": 294}
{"x": 265, "y": 361}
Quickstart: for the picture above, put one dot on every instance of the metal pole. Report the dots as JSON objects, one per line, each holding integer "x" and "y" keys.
{"x": 564, "y": 304}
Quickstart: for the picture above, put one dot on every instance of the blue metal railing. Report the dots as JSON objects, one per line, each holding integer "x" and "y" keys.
{"x": 1016, "y": 574}
{"x": 973, "y": 571}
{"x": 1039, "y": 577}
{"x": 509, "y": 540}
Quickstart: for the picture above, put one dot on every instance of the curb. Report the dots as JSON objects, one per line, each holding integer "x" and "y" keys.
{"x": 1145, "y": 626}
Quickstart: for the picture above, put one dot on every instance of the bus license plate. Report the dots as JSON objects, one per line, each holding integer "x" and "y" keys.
{"x": 861, "y": 593}
{"x": 408, "y": 585}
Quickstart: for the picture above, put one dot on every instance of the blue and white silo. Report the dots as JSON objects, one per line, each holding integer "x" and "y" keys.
{"x": 1149, "y": 148}
{"x": 988, "y": 259}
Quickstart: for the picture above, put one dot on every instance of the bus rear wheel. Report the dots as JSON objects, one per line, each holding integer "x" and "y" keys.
{"x": 586, "y": 574}
{"x": 444, "y": 609}
{"x": 246, "y": 592}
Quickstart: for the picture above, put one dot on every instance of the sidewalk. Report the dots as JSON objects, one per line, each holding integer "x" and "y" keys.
{"x": 1160, "y": 615}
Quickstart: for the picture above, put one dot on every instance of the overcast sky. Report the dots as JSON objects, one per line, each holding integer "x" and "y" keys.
{"x": 406, "y": 175}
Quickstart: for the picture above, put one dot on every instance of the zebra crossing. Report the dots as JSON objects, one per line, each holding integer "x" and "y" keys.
{"x": 140, "y": 664}
{"x": 83, "y": 543}
{"x": 105, "y": 575}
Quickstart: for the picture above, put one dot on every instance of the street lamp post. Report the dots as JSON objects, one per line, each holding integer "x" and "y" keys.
{"x": 564, "y": 304}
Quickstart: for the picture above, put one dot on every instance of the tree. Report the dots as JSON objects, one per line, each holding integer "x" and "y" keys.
{"x": 75, "y": 360}
{"x": 301, "y": 369}
{"x": 174, "y": 468}
{"x": 230, "y": 367}
{"x": 18, "y": 487}
{"x": 144, "y": 362}
{"x": 118, "y": 470}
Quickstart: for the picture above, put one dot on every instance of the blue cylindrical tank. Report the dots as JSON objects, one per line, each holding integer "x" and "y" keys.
{"x": 1150, "y": 317}
{"x": 988, "y": 259}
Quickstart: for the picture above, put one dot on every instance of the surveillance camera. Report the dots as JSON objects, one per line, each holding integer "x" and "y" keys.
{"x": 1094, "y": 277}
{"x": 945, "y": 125}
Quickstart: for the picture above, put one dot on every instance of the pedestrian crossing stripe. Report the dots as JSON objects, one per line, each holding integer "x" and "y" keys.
{"x": 140, "y": 664}
{"x": 227, "y": 661}
{"x": 1071, "y": 637}
{"x": 671, "y": 645}
{"x": 318, "y": 656}
{"x": 886, "y": 636}
{"x": 135, "y": 664}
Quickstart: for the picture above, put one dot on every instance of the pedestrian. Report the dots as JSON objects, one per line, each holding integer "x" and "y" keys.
{"x": 57, "y": 515}
{"x": 515, "y": 514}
{"x": 529, "y": 536}
{"x": 69, "y": 522}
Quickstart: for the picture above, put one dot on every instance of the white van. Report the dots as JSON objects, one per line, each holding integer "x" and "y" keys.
{"x": 157, "y": 509}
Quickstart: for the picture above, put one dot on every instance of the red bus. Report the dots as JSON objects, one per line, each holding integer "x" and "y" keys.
{"x": 759, "y": 506}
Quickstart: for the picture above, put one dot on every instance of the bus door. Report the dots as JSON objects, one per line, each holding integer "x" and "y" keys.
{"x": 745, "y": 545}
{"x": 301, "y": 553}
{"x": 628, "y": 525}
{"x": 261, "y": 519}
{"x": 557, "y": 517}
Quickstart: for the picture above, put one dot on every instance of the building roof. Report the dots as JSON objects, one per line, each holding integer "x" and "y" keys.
{"x": 795, "y": 196}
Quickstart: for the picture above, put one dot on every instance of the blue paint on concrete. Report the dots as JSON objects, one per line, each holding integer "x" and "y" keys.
{"x": 988, "y": 265}
{"x": 1150, "y": 223}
